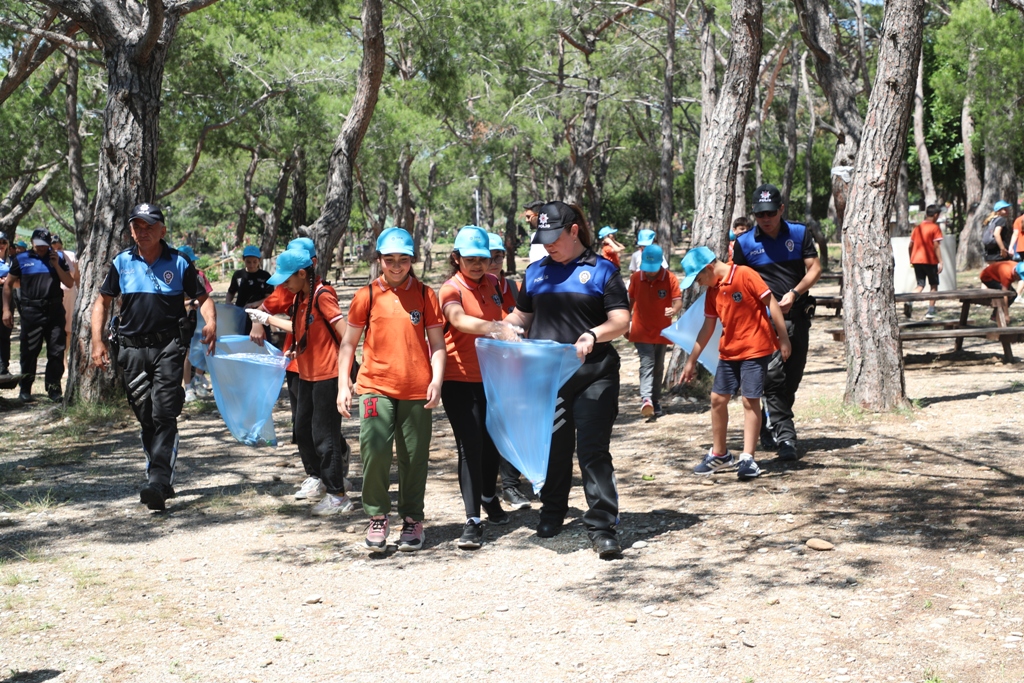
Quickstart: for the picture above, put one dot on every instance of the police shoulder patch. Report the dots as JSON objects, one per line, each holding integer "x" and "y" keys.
{"x": 584, "y": 276}
{"x": 168, "y": 276}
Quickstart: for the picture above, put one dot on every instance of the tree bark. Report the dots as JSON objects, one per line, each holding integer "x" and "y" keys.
{"x": 272, "y": 219}
{"x": 300, "y": 216}
{"x": 874, "y": 357}
{"x": 25, "y": 200}
{"x": 720, "y": 140}
{"x": 901, "y": 211}
{"x": 968, "y": 253}
{"x": 337, "y": 208}
{"x": 920, "y": 143}
{"x": 816, "y": 30}
{"x": 789, "y": 171}
{"x": 79, "y": 190}
{"x": 1000, "y": 183}
{"x": 667, "y": 176}
{"x": 511, "y": 227}
{"x": 582, "y": 147}
{"x": 422, "y": 219}
{"x": 243, "y": 215}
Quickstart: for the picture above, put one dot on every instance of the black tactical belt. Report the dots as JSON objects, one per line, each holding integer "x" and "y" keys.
{"x": 42, "y": 302}
{"x": 147, "y": 341}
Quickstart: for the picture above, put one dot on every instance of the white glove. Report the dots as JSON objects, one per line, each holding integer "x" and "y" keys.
{"x": 258, "y": 316}
{"x": 503, "y": 331}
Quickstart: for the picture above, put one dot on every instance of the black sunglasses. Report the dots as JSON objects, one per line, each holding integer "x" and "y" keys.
{"x": 766, "y": 214}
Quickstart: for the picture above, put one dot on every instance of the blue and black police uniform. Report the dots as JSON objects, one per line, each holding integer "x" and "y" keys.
{"x": 42, "y": 318}
{"x": 780, "y": 263}
{"x": 566, "y": 300}
{"x": 5, "y": 332}
{"x": 152, "y": 338}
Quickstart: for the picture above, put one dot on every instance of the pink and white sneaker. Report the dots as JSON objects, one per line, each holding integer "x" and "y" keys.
{"x": 412, "y": 536}
{"x": 377, "y": 533}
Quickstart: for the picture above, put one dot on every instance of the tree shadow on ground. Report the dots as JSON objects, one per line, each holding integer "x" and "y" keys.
{"x": 37, "y": 676}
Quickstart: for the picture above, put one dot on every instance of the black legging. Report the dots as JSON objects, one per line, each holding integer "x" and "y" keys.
{"x": 466, "y": 407}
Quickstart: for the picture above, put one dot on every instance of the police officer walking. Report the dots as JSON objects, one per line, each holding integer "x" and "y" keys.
{"x": 39, "y": 272}
{"x": 785, "y": 256}
{"x": 150, "y": 339}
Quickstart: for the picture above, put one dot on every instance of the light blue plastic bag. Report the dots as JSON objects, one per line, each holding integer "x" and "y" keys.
{"x": 683, "y": 333}
{"x": 247, "y": 382}
{"x": 230, "y": 321}
{"x": 521, "y": 381}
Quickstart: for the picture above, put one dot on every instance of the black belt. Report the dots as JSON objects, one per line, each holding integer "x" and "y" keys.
{"x": 42, "y": 302}
{"x": 147, "y": 341}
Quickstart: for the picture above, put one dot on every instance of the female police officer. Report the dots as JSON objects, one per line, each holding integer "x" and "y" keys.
{"x": 152, "y": 281}
{"x": 574, "y": 297}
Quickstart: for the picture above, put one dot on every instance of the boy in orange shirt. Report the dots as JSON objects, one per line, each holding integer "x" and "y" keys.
{"x": 926, "y": 256}
{"x": 654, "y": 297}
{"x": 739, "y": 298}
{"x": 1003, "y": 275}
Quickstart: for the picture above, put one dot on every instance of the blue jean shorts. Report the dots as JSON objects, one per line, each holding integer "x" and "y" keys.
{"x": 745, "y": 375}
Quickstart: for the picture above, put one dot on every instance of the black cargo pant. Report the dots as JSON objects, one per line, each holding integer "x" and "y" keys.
{"x": 42, "y": 321}
{"x": 782, "y": 381}
{"x": 152, "y": 380}
{"x": 322, "y": 448}
{"x": 585, "y": 412}
{"x": 465, "y": 404}
{"x": 5, "y": 347}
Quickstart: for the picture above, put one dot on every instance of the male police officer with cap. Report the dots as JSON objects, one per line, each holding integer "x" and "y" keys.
{"x": 152, "y": 338}
{"x": 39, "y": 272}
{"x": 785, "y": 256}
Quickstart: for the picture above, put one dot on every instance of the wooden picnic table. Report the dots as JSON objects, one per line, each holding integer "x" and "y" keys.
{"x": 957, "y": 329}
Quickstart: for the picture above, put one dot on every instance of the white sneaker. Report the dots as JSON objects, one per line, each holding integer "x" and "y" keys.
{"x": 190, "y": 395}
{"x": 202, "y": 386}
{"x": 331, "y": 505}
{"x": 311, "y": 488}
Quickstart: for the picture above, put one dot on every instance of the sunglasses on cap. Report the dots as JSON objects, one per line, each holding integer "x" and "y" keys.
{"x": 766, "y": 214}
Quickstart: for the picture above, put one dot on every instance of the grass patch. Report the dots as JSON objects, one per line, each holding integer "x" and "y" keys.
{"x": 95, "y": 414}
{"x": 54, "y": 457}
{"x": 9, "y": 476}
{"x": 85, "y": 578}
{"x": 39, "y": 502}
{"x": 931, "y": 677}
{"x": 13, "y": 579}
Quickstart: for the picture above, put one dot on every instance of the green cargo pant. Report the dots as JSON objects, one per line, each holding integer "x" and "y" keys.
{"x": 382, "y": 419}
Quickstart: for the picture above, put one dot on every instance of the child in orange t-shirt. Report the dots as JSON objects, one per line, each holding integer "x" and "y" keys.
{"x": 1003, "y": 275}
{"x": 610, "y": 247}
{"x": 926, "y": 256}
{"x": 738, "y": 297}
{"x": 472, "y": 305}
{"x": 654, "y": 297}
{"x": 316, "y": 324}
{"x": 399, "y": 384}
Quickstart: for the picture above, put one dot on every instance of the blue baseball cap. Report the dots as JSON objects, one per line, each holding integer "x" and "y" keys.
{"x": 288, "y": 263}
{"x": 650, "y": 262}
{"x": 472, "y": 241}
{"x": 605, "y": 231}
{"x": 696, "y": 260}
{"x": 645, "y": 238}
{"x": 303, "y": 243}
{"x": 1001, "y": 205}
{"x": 497, "y": 244}
{"x": 251, "y": 251}
{"x": 397, "y": 241}
{"x": 186, "y": 250}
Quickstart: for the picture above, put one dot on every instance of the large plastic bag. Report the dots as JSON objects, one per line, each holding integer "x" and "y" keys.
{"x": 683, "y": 333}
{"x": 230, "y": 321}
{"x": 247, "y": 382}
{"x": 521, "y": 381}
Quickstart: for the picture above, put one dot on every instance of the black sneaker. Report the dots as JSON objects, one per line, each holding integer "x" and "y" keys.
{"x": 54, "y": 393}
{"x": 26, "y": 397}
{"x": 658, "y": 412}
{"x": 768, "y": 442}
{"x": 515, "y": 499}
{"x": 472, "y": 535}
{"x": 495, "y": 515}
{"x": 787, "y": 451}
{"x": 155, "y": 495}
{"x": 606, "y": 546}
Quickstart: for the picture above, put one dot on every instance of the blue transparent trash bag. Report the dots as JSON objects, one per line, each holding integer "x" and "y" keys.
{"x": 230, "y": 321}
{"x": 247, "y": 382}
{"x": 683, "y": 333}
{"x": 521, "y": 381}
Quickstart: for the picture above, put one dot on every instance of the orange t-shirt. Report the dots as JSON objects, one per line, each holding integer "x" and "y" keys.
{"x": 608, "y": 251}
{"x": 396, "y": 357}
{"x": 1018, "y": 227}
{"x": 320, "y": 359}
{"x": 650, "y": 298}
{"x": 747, "y": 331}
{"x": 508, "y": 300}
{"x": 480, "y": 300}
{"x": 923, "y": 239}
{"x": 279, "y": 303}
{"x": 1001, "y": 272}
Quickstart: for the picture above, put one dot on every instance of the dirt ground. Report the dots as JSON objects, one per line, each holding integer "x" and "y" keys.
{"x": 236, "y": 582}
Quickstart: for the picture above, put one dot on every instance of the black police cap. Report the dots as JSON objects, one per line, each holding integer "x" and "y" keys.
{"x": 151, "y": 213}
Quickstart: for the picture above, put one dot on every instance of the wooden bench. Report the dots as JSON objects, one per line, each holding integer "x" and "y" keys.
{"x": 1006, "y": 335}
{"x": 833, "y": 302}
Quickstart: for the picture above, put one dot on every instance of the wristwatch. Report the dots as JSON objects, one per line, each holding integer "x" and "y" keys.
{"x": 795, "y": 293}
{"x": 592, "y": 334}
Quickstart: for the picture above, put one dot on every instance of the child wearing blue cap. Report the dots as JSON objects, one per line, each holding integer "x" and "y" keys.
{"x": 644, "y": 238}
{"x": 654, "y": 298}
{"x": 610, "y": 247}
{"x": 249, "y": 286}
{"x": 742, "y": 301}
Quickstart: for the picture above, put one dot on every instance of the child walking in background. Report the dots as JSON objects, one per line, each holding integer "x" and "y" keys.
{"x": 316, "y": 324}
{"x": 926, "y": 257}
{"x": 610, "y": 247}
{"x": 197, "y": 385}
{"x": 654, "y": 298}
{"x": 738, "y": 297}
{"x": 398, "y": 384}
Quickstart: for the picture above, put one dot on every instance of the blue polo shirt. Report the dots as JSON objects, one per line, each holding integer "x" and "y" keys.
{"x": 779, "y": 261}
{"x": 39, "y": 280}
{"x": 152, "y": 296}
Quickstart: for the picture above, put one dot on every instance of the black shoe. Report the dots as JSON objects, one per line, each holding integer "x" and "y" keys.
{"x": 607, "y": 547}
{"x": 56, "y": 396}
{"x": 155, "y": 494}
{"x": 515, "y": 499}
{"x": 495, "y": 515}
{"x": 26, "y": 397}
{"x": 787, "y": 451}
{"x": 4, "y": 370}
{"x": 768, "y": 442}
{"x": 658, "y": 412}
{"x": 549, "y": 528}
{"x": 472, "y": 535}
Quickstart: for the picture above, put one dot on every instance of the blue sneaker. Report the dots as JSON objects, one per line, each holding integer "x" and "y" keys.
{"x": 747, "y": 468}
{"x": 712, "y": 463}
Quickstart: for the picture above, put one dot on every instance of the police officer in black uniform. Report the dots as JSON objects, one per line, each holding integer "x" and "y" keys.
{"x": 575, "y": 297}
{"x": 39, "y": 272}
{"x": 150, "y": 339}
{"x": 785, "y": 256}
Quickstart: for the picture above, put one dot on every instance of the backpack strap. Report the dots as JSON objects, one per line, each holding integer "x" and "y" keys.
{"x": 316, "y": 305}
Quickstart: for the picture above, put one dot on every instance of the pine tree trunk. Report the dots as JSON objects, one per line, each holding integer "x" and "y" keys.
{"x": 511, "y": 228}
{"x": 667, "y": 175}
{"x": 720, "y": 140}
{"x": 924, "y": 159}
{"x": 968, "y": 253}
{"x": 1000, "y": 183}
{"x": 789, "y": 171}
{"x": 300, "y": 217}
{"x": 874, "y": 357}
{"x": 79, "y": 190}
